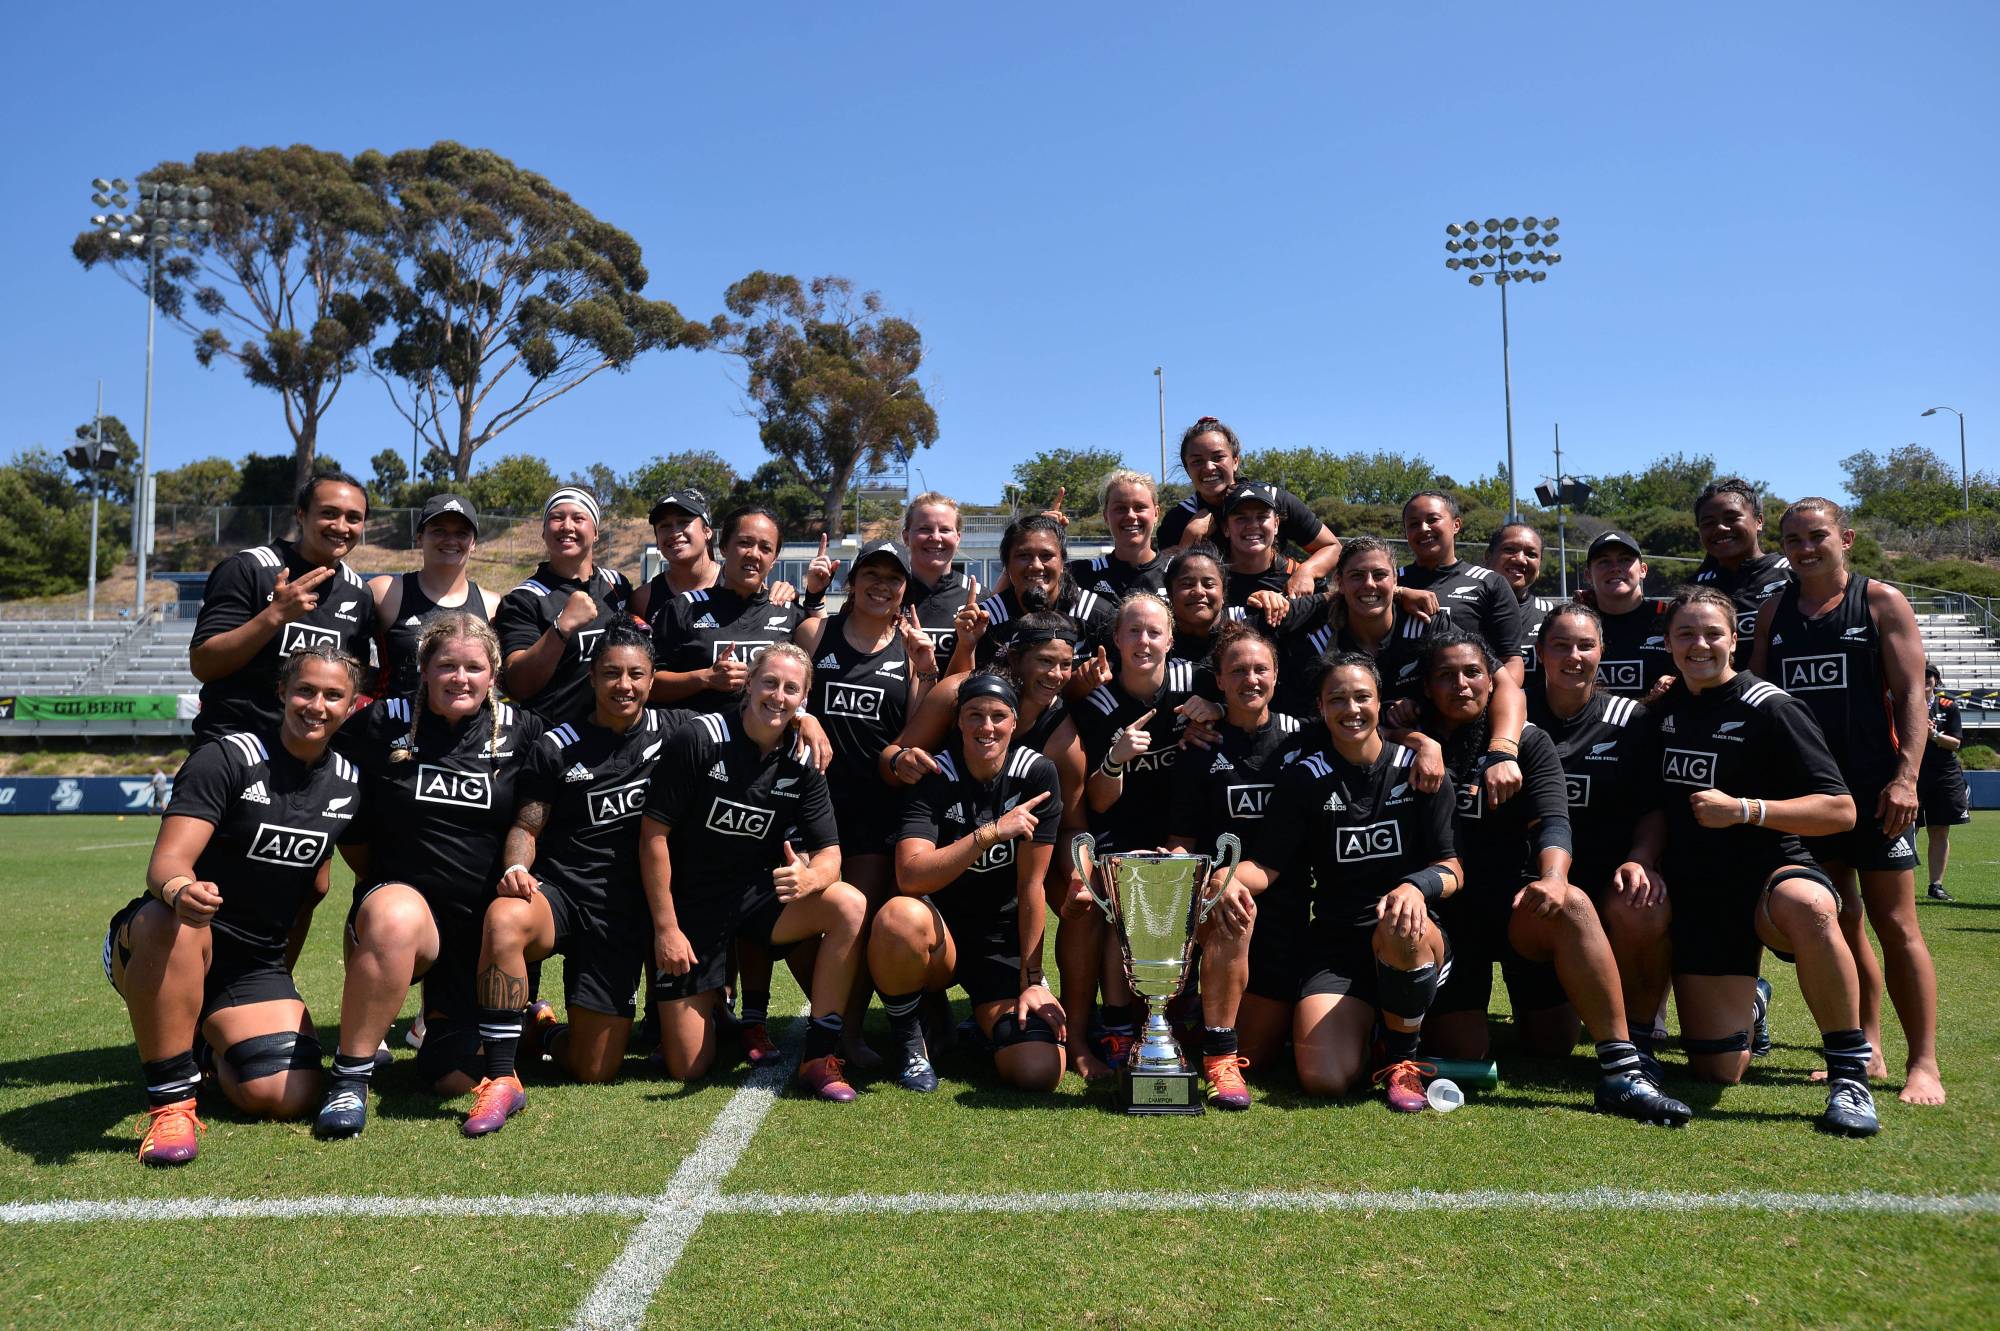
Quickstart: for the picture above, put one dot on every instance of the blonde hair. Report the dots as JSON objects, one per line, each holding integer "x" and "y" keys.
{"x": 1137, "y": 480}
{"x": 788, "y": 651}
{"x": 1140, "y": 597}
{"x": 931, "y": 499}
{"x": 450, "y": 626}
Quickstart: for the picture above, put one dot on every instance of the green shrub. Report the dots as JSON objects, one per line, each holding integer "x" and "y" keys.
{"x": 1978, "y": 758}
{"x": 1953, "y": 575}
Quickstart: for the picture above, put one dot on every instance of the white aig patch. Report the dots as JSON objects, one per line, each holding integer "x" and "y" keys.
{"x": 1154, "y": 760}
{"x": 1376, "y": 841}
{"x": 1470, "y": 805}
{"x": 733, "y": 819}
{"x": 586, "y": 643}
{"x": 293, "y": 847}
{"x": 1805, "y": 674}
{"x": 1688, "y": 767}
{"x": 1619, "y": 674}
{"x": 1248, "y": 801}
{"x": 859, "y": 702}
{"x": 996, "y": 856}
{"x": 1577, "y": 790}
{"x": 618, "y": 803}
{"x": 298, "y": 636}
{"x": 466, "y": 790}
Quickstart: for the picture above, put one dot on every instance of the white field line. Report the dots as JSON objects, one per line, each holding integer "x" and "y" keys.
{"x": 116, "y": 845}
{"x": 626, "y": 1288}
{"x": 1316, "y": 1201}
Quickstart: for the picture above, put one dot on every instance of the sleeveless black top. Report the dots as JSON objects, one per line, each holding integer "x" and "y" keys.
{"x": 1833, "y": 664}
{"x": 415, "y": 610}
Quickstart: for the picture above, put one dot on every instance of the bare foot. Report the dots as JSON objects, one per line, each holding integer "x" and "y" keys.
{"x": 1877, "y": 1071}
{"x": 1922, "y": 1088}
{"x": 1088, "y": 1065}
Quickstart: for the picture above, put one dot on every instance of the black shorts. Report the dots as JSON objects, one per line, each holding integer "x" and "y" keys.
{"x": 1342, "y": 962}
{"x": 866, "y": 814}
{"x": 1944, "y": 803}
{"x": 1714, "y": 925}
{"x": 603, "y": 957}
{"x": 989, "y": 955}
{"x": 238, "y": 972}
{"x": 711, "y": 926}
{"x": 1476, "y": 922}
{"x": 1863, "y": 846}
{"x": 1280, "y": 954}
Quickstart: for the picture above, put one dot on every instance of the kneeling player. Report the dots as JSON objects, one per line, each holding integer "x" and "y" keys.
{"x": 239, "y": 861}
{"x": 1379, "y": 851}
{"x": 977, "y": 837}
{"x": 729, "y": 797}
{"x": 1745, "y": 773}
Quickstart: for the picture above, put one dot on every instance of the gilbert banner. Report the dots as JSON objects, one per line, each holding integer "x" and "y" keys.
{"x": 91, "y": 707}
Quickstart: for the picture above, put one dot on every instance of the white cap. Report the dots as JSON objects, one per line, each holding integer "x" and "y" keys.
{"x": 1444, "y": 1095}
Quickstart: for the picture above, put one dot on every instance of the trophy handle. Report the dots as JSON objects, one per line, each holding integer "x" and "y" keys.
{"x": 1083, "y": 854}
{"x": 1228, "y": 849}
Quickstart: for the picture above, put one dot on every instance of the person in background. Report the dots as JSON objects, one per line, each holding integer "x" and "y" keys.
{"x": 550, "y": 625}
{"x": 931, "y": 531}
{"x": 1478, "y": 598}
{"x": 1515, "y": 553}
{"x": 684, "y": 535}
{"x": 1731, "y": 522}
{"x": 1212, "y": 455}
{"x": 1131, "y": 508}
{"x": 447, "y": 537}
{"x": 1636, "y": 663}
{"x": 1943, "y": 801}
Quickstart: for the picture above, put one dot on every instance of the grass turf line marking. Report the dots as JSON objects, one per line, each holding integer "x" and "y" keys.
{"x": 626, "y": 1288}
{"x": 116, "y": 845}
{"x": 1322, "y": 1201}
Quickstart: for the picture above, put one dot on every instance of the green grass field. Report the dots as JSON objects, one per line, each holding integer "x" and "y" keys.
{"x": 903, "y": 1210}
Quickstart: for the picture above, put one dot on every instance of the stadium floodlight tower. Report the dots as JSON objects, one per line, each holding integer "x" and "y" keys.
{"x": 1964, "y": 476}
{"x": 167, "y": 216}
{"x": 1512, "y": 248}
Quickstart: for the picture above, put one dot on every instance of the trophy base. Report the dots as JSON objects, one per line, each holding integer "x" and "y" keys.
{"x": 1173, "y": 1090}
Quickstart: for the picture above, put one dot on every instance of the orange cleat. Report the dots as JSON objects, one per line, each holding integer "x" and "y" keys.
{"x": 1224, "y": 1074}
{"x": 1404, "y": 1082}
{"x": 495, "y": 1100}
{"x": 824, "y": 1078}
{"x": 170, "y": 1134}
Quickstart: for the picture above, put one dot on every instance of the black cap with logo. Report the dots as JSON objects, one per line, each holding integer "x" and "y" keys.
{"x": 689, "y": 501}
{"x": 439, "y": 505}
{"x": 1252, "y": 492}
{"x": 1612, "y": 540}
{"x": 886, "y": 547}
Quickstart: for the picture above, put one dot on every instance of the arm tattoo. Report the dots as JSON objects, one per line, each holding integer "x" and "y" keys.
{"x": 529, "y": 820}
{"x": 497, "y": 989}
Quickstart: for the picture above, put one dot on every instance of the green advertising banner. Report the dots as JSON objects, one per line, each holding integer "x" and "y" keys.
{"x": 84, "y": 707}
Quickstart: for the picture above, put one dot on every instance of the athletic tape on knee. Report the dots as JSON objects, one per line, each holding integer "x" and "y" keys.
{"x": 1808, "y": 873}
{"x": 1734, "y": 1043}
{"x": 1007, "y": 1032}
{"x": 268, "y": 1055}
{"x": 1405, "y": 994}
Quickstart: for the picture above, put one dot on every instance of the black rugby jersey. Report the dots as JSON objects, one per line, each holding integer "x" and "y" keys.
{"x": 1480, "y": 601}
{"x": 276, "y": 821}
{"x": 414, "y": 609}
{"x": 1833, "y": 665}
{"x": 1748, "y": 739}
{"x": 1036, "y": 734}
{"x": 731, "y": 809}
{"x": 1111, "y": 577}
{"x": 937, "y": 611}
{"x": 1139, "y": 818}
{"x": 1635, "y": 649}
{"x": 1605, "y": 751}
{"x": 1297, "y": 525}
{"x": 238, "y": 590}
{"x": 1094, "y": 617}
{"x": 862, "y": 698}
{"x": 526, "y": 613}
{"x": 1534, "y": 610}
{"x": 1748, "y": 586}
{"x": 1225, "y": 789}
{"x": 1238, "y": 588}
{"x": 1496, "y": 845}
{"x": 594, "y": 782}
{"x": 694, "y": 630}
{"x": 950, "y": 802}
{"x": 1354, "y": 830}
{"x": 1398, "y": 655}
{"x": 441, "y": 797}
{"x": 1947, "y": 719}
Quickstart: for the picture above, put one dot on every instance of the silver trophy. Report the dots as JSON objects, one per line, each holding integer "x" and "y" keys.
{"x": 1156, "y": 902}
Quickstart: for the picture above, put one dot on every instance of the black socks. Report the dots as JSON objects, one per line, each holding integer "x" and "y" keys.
{"x": 822, "y": 1035}
{"x": 1848, "y": 1054}
{"x": 172, "y": 1079}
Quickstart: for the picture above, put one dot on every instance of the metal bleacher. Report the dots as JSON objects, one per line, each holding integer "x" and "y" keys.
{"x": 55, "y": 656}
{"x": 155, "y": 660}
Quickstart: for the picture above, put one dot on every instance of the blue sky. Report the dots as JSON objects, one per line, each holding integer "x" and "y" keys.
{"x": 1770, "y": 213}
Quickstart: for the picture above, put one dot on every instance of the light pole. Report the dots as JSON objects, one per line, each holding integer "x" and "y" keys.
{"x": 1562, "y": 490}
{"x": 167, "y": 216}
{"x": 93, "y": 460}
{"x": 1964, "y": 476}
{"x": 1507, "y": 260}
{"x": 1160, "y": 374}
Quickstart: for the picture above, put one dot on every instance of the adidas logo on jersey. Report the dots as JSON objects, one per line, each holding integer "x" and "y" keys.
{"x": 718, "y": 772}
{"x": 577, "y": 773}
{"x": 1334, "y": 804}
{"x": 828, "y": 662}
{"x": 255, "y": 793}
{"x": 1221, "y": 764}
{"x": 412, "y": 621}
{"x": 1667, "y": 726}
{"x": 707, "y": 621}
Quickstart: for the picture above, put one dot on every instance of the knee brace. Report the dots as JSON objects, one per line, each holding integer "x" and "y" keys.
{"x": 1406, "y": 994}
{"x": 1008, "y": 1033}
{"x": 268, "y": 1055}
{"x": 1734, "y": 1043}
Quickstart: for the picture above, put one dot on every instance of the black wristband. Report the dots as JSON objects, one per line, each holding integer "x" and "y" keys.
{"x": 1429, "y": 881}
{"x": 813, "y": 601}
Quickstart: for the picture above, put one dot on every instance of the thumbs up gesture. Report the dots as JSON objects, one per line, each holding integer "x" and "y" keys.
{"x": 795, "y": 878}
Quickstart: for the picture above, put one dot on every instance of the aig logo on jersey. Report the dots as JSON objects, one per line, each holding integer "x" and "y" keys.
{"x": 1376, "y": 841}
{"x": 1153, "y": 760}
{"x": 1619, "y": 674}
{"x": 618, "y": 803}
{"x": 1248, "y": 801}
{"x": 861, "y": 702}
{"x": 465, "y": 790}
{"x": 733, "y": 819}
{"x": 292, "y": 847}
{"x": 996, "y": 856}
{"x": 1577, "y": 790}
{"x": 1470, "y": 803}
{"x": 1804, "y": 674}
{"x": 1688, "y": 767}
{"x": 586, "y": 643}
{"x": 298, "y": 636}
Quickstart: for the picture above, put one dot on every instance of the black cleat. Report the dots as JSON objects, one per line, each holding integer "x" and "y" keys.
{"x": 1936, "y": 892}
{"x": 914, "y": 1072}
{"x": 344, "y": 1112}
{"x": 1760, "y": 1020}
{"x": 1631, "y": 1095}
{"x": 1850, "y": 1110}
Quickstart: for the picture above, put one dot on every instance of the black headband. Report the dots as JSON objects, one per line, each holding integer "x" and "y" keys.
{"x": 988, "y": 686}
{"x": 1036, "y": 637}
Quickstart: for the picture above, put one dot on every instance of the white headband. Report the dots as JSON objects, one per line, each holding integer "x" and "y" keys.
{"x": 569, "y": 494}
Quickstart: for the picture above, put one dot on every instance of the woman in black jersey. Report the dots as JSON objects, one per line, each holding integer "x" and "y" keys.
{"x": 441, "y": 770}
{"x": 1375, "y": 852}
{"x": 1133, "y": 728}
{"x": 704, "y": 638}
{"x": 1034, "y": 552}
{"x": 1478, "y": 598}
{"x": 1744, "y": 774}
{"x": 1197, "y": 593}
{"x": 685, "y": 537}
{"x": 739, "y": 844}
{"x": 1517, "y": 906}
{"x": 1131, "y": 509}
{"x": 447, "y": 536}
{"x": 550, "y": 625}
{"x": 1731, "y": 522}
{"x": 977, "y": 838}
{"x": 1942, "y": 796}
{"x": 571, "y": 885}
{"x": 239, "y": 863}
{"x": 1515, "y": 553}
{"x": 932, "y": 530}
{"x": 1847, "y": 646}
{"x": 1212, "y": 456}
{"x": 1249, "y": 975}
{"x": 1604, "y": 743}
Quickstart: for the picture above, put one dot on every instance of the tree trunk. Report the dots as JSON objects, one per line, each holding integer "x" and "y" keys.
{"x": 305, "y": 451}
{"x": 461, "y": 458}
{"x": 833, "y": 509}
